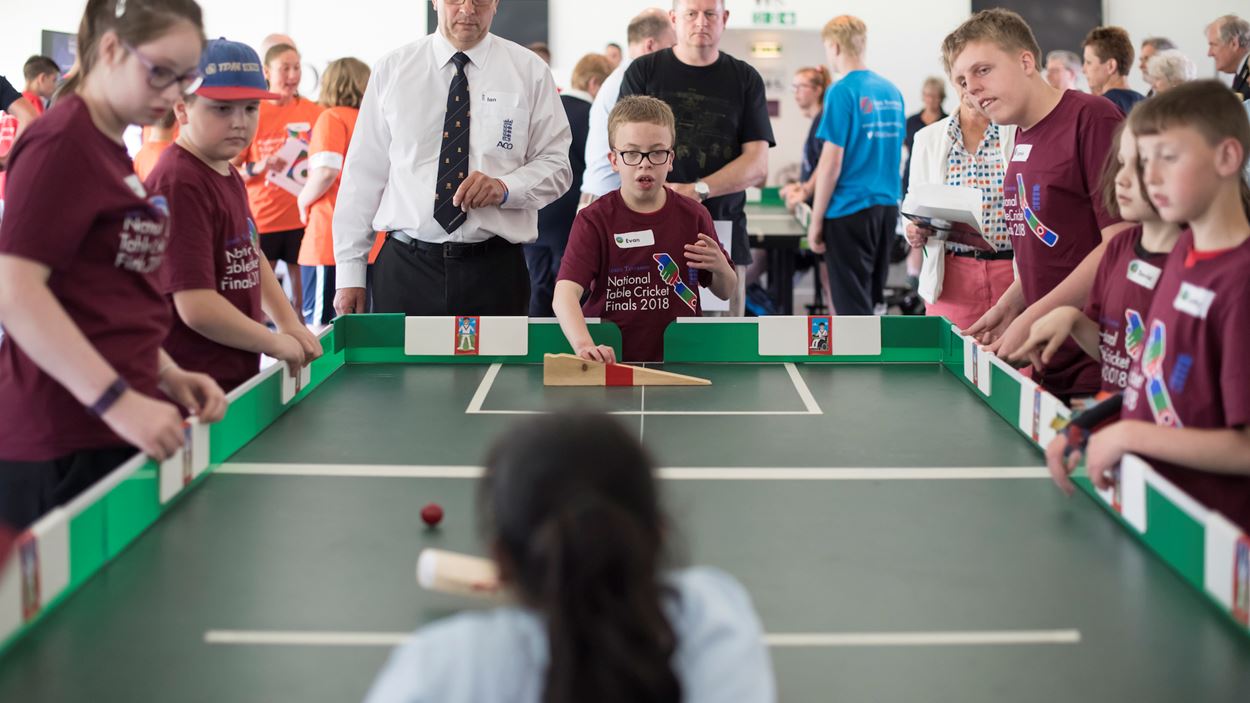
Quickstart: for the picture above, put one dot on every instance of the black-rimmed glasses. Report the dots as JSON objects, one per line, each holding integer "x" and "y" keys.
{"x": 634, "y": 158}
{"x": 160, "y": 78}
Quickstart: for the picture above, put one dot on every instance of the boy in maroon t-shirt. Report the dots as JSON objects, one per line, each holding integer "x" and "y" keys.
{"x": 1187, "y": 402}
{"x": 642, "y": 251}
{"x": 1052, "y": 206}
{"x": 1111, "y": 328}
{"x": 213, "y": 269}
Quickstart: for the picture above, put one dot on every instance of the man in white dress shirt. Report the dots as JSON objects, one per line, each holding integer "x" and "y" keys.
{"x": 456, "y": 189}
{"x": 649, "y": 32}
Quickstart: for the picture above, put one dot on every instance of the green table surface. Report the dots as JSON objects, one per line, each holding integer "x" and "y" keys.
{"x": 254, "y": 551}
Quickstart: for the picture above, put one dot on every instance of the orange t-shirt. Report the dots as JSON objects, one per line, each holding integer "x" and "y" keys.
{"x": 147, "y": 157}
{"x": 328, "y": 148}
{"x": 274, "y": 206}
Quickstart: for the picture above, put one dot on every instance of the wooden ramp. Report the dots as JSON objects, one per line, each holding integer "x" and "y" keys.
{"x": 572, "y": 370}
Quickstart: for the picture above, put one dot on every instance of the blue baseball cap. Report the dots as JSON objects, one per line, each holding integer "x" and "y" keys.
{"x": 232, "y": 71}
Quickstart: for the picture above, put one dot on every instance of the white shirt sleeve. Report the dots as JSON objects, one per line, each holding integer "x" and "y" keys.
{"x": 546, "y": 174}
{"x": 365, "y": 174}
{"x": 600, "y": 179}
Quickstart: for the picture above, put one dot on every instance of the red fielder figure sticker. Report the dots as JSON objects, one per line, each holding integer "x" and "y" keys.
{"x": 28, "y": 556}
{"x": 819, "y": 332}
{"x": 1241, "y": 580}
{"x": 467, "y": 335}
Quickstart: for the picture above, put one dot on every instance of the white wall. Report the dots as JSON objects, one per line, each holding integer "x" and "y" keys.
{"x": 904, "y": 35}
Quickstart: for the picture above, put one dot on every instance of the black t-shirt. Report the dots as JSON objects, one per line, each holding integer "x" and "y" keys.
{"x": 718, "y": 108}
{"x": 8, "y": 94}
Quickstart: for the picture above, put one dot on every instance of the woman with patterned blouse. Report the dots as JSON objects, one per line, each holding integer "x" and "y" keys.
{"x": 965, "y": 149}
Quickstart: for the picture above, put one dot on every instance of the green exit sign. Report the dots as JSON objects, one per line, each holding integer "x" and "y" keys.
{"x": 781, "y": 19}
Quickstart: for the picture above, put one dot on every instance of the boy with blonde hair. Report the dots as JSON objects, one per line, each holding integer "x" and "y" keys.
{"x": 642, "y": 251}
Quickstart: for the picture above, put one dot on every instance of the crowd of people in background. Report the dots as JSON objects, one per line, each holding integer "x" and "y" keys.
{"x": 541, "y": 202}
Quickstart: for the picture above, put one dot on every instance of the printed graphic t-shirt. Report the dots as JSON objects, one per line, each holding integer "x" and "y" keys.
{"x": 75, "y": 205}
{"x": 275, "y": 208}
{"x": 633, "y": 267}
{"x": 1192, "y": 371}
{"x": 864, "y": 116}
{"x": 211, "y": 247}
{"x": 1055, "y": 216}
{"x": 1120, "y": 301}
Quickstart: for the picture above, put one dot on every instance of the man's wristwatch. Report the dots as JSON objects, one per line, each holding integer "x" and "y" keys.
{"x": 702, "y": 190}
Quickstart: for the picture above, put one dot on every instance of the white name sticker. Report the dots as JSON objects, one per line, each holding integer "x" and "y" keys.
{"x": 500, "y": 99}
{"x": 1144, "y": 274}
{"x": 1022, "y": 152}
{"x": 633, "y": 240}
{"x": 1194, "y": 300}
{"x": 136, "y": 186}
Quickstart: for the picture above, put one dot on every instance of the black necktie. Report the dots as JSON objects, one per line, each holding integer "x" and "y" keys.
{"x": 453, "y": 158}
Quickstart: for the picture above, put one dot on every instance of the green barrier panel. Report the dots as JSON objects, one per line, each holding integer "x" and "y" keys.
{"x": 379, "y": 339}
{"x": 903, "y": 340}
{"x": 1176, "y": 537}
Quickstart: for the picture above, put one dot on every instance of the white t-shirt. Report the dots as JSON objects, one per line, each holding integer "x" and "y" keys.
{"x": 501, "y": 654}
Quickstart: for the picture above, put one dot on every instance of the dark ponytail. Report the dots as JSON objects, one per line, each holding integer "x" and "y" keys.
{"x": 572, "y": 504}
{"x": 134, "y": 21}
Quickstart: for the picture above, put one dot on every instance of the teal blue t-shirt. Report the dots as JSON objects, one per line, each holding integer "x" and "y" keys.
{"x": 864, "y": 115}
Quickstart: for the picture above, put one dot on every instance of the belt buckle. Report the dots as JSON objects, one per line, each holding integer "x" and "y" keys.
{"x": 448, "y": 251}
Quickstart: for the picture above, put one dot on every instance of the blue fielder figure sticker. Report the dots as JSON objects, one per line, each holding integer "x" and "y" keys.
{"x": 819, "y": 331}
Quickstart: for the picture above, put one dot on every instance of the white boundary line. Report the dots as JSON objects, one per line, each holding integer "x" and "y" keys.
{"x": 780, "y": 639}
{"x": 669, "y": 473}
{"x": 479, "y": 397}
{"x": 804, "y": 392}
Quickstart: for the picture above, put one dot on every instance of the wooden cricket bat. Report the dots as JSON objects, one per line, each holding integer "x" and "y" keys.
{"x": 459, "y": 574}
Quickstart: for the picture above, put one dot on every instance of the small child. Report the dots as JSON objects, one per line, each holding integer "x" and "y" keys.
{"x": 574, "y": 520}
{"x": 214, "y": 271}
{"x": 83, "y": 378}
{"x": 41, "y": 74}
{"x": 1187, "y": 401}
{"x": 1110, "y": 329}
{"x": 342, "y": 89}
{"x": 642, "y": 251}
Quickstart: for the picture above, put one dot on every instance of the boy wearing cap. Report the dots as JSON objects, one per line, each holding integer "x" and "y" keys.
{"x": 218, "y": 280}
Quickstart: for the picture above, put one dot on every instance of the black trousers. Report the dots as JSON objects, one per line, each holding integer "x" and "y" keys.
{"x": 543, "y": 261}
{"x": 28, "y": 489}
{"x": 418, "y": 279}
{"x": 857, "y": 252}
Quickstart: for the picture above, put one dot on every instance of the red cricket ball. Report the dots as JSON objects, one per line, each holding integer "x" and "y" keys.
{"x": 432, "y": 514}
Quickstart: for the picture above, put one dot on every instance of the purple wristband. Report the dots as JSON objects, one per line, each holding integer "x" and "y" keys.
{"x": 109, "y": 397}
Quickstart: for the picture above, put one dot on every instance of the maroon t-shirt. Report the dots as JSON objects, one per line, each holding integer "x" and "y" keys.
{"x": 75, "y": 205}
{"x": 1054, "y": 213}
{"x": 211, "y": 247}
{"x": 633, "y": 266}
{"x": 1193, "y": 370}
{"x": 1120, "y": 301}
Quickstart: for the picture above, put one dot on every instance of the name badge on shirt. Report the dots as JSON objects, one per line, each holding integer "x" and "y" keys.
{"x": 499, "y": 99}
{"x": 136, "y": 186}
{"x": 633, "y": 240}
{"x": 1144, "y": 274}
{"x": 1194, "y": 300}
{"x": 1022, "y": 152}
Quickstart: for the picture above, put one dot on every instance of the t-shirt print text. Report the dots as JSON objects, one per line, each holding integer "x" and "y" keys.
{"x": 242, "y": 265}
{"x": 141, "y": 243}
